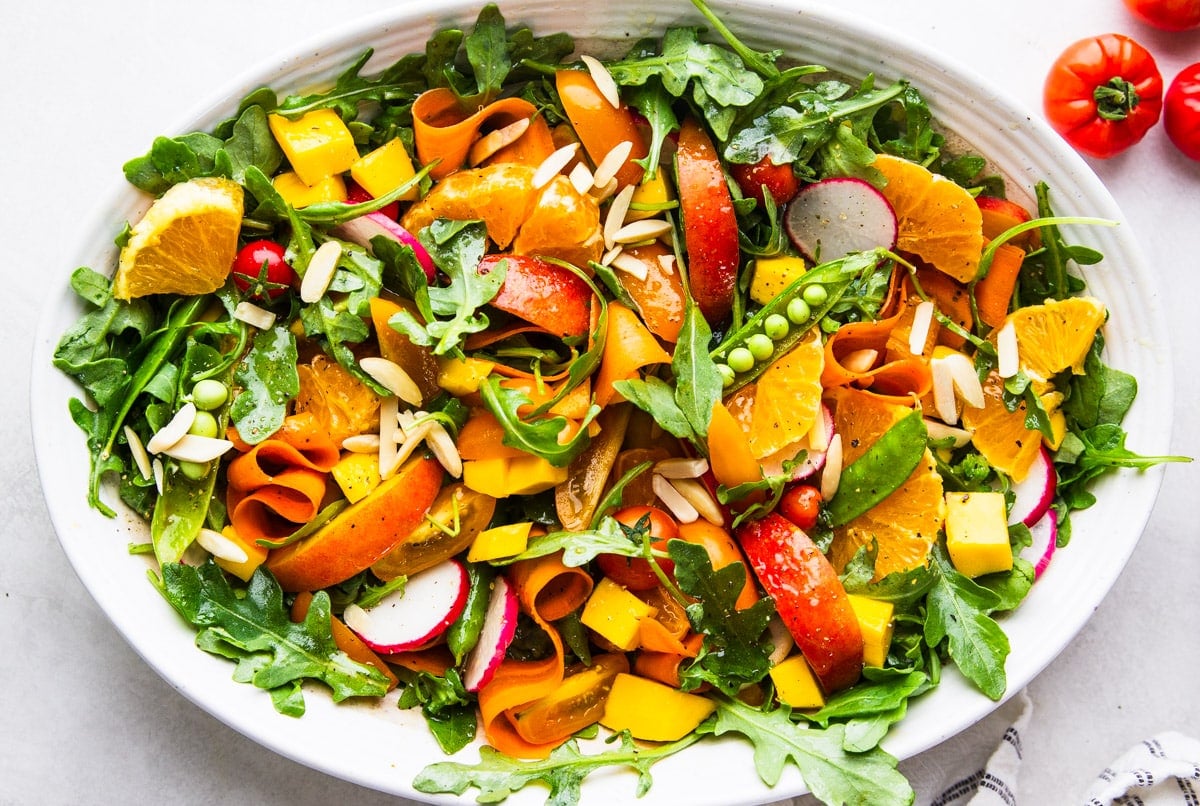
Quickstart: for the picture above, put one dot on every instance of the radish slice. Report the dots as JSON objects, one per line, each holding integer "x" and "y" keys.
{"x": 1045, "y": 536}
{"x": 816, "y": 445}
{"x": 414, "y": 616}
{"x": 499, "y": 628}
{"x": 834, "y": 217}
{"x": 362, "y": 229}
{"x": 1035, "y": 492}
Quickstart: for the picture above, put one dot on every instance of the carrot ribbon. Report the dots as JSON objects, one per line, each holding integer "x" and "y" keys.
{"x": 443, "y": 131}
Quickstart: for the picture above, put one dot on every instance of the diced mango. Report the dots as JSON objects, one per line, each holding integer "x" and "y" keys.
{"x": 616, "y": 614}
{"x": 772, "y": 275}
{"x": 357, "y": 474}
{"x": 462, "y": 376}
{"x": 796, "y": 685}
{"x": 256, "y": 555}
{"x": 383, "y": 170}
{"x": 293, "y": 190}
{"x": 652, "y": 711}
{"x": 977, "y": 533}
{"x": 653, "y": 195}
{"x": 499, "y": 542}
{"x": 875, "y": 623}
{"x": 318, "y": 144}
{"x": 500, "y": 478}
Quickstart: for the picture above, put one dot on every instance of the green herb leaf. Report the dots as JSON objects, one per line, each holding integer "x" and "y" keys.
{"x": 698, "y": 385}
{"x": 269, "y": 381}
{"x": 539, "y": 435}
{"x": 448, "y": 709}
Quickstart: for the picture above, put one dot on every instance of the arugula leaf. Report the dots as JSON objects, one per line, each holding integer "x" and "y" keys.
{"x": 269, "y": 380}
{"x": 253, "y": 627}
{"x": 580, "y": 548}
{"x": 871, "y": 698}
{"x": 958, "y": 609}
{"x": 1101, "y": 395}
{"x": 540, "y": 435}
{"x": 448, "y": 709}
{"x": 456, "y": 247}
{"x": 497, "y": 775}
{"x": 402, "y": 81}
{"x": 698, "y": 385}
{"x": 656, "y": 397}
{"x": 834, "y": 774}
{"x": 734, "y": 651}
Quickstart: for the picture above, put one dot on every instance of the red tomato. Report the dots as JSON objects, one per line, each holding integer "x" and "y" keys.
{"x": 1181, "y": 111}
{"x": 635, "y": 573}
{"x": 1170, "y": 15}
{"x": 779, "y": 179}
{"x": 355, "y": 194}
{"x": 248, "y": 265}
{"x": 801, "y": 505}
{"x": 1103, "y": 94}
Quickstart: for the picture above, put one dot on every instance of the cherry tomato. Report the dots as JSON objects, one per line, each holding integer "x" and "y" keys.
{"x": 801, "y": 505}
{"x": 779, "y": 179}
{"x": 1181, "y": 111}
{"x": 356, "y": 194}
{"x": 248, "y": 265}
{"x": 1170, "y": 15}
{"x": 1103, "y": 94}
{"x": 635, "y": 573}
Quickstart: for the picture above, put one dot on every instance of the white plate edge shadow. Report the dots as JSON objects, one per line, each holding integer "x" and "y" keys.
{"x": 1074, "y": 584}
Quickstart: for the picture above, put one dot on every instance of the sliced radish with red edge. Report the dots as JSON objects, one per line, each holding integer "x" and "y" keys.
{"x": 499, "y": 628}
{"x": 1045, "y": 538}
{"x": 362, "y": 229}
{"x": 1034, "y": 493}
{"x": 814, "y": 460}
{"x": 410, "y": 618}
{"x": 838, "y": 216}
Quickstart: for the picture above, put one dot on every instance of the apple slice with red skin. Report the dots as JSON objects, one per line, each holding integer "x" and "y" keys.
{"x": 752, "y": 178}
{"x": 710, "y": 231}
{"x": 542, "y": 293}
{"x": 417, "y": 614}
{"x": 1000, "y": 215}
{"x": 808, "y": 596}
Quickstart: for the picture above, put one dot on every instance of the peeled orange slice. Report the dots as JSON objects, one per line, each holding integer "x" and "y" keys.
{"x": 1056, "y": 335}
{"x": 787, "y": 398}
{"x": 186, "y": 242}
{"x": 904, "y": 525}
{"x": 937, "y": 220}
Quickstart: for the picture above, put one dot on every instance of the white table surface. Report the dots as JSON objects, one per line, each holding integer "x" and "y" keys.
{"x": 88, "y": 85}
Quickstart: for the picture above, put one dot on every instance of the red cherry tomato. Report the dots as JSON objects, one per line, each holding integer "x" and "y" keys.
{"x": 248, "y": 267}
{"x": 801, "y": 505}
{"x": 1103, "y": 94}
{"x": 635, "y": 573}
{"x": 779, "y": 179}
{"x": 1170, "y": 15}
{"x": 355, "y": 194}
{"x": 1181, "y": 111}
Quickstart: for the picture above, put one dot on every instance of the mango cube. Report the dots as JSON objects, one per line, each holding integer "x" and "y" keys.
{"x": 875, "y": 622}
{"x": 299, "y": 195}
{"x": 796, "y": 685}
{"x": 462, "y": 376}
{"x": 977, "y": 533}
{"x": 318, "y": 144}
{"x": 499, "y": 542}
{"x": 652, "y": 711}
{"x": 616, "y": 614}
{"x": 772, "y": 275}
{"x": 653, "y": 195}
{"x": 383, "y": 170}
{"x": 503, "y": 477}
{"x": 357, "y": 474}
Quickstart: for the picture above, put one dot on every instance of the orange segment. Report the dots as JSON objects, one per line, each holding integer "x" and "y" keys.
{"x": 342, "y": 404}
{"x": 938, "y": 221}
{"x": 186, "y": 242}
{"x": 1000, "y": 435}
{"x": 785, "y": 401}
{"x": 904, "y": 525}
{"x": 1056, "y": 335}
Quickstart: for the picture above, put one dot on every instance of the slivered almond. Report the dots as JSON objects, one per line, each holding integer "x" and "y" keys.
{"x": 387, "y": 436}
{"x": 601, "y": 193}
{"x": 254, "y": 316}
{"x": 552, "y": 166}
{"x": 416, "y": 435}
{"x": 608, "y": 257}
{"x": 922, "y": 320}
{"x": 617, "y": 210}
{"x": 831, "y": 474}
{"x": 818, "y": 435}
{"x": 680, "y": 507}
{"x": 966, "y": 381}
{"x": 682, "y": 467}
{"x": 174, "y": 430}
{"x": 392, "y": 377}
{"x": 939, "y": 431}
{"x": 194, "y": 448}
{"x": 159, "y": 475}
{"x": 607, "y": 169}
{"x": 319, "y": 273}
{"x": 1008, "y": 358}
{"x": 581, "y": 178}
{"x": 943, "y": 392}
{"x": 441, "y": 444}
{"x": 699, "y": 497}
{"x": 667, "y": 262}
{"x": 648, "y": 229}
{"x": 604, "y": 80}
{"x": 631, "y": 265}
{"x": 220, "y": 546}
{"x": 138, "y": 451}
{"x": 860, "y": 360}
{"x": 495, "y": 140}
{"x": 361, "y": 443}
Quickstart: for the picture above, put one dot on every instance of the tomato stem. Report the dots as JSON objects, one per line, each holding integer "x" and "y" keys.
{"x": 1115, "y": 99}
